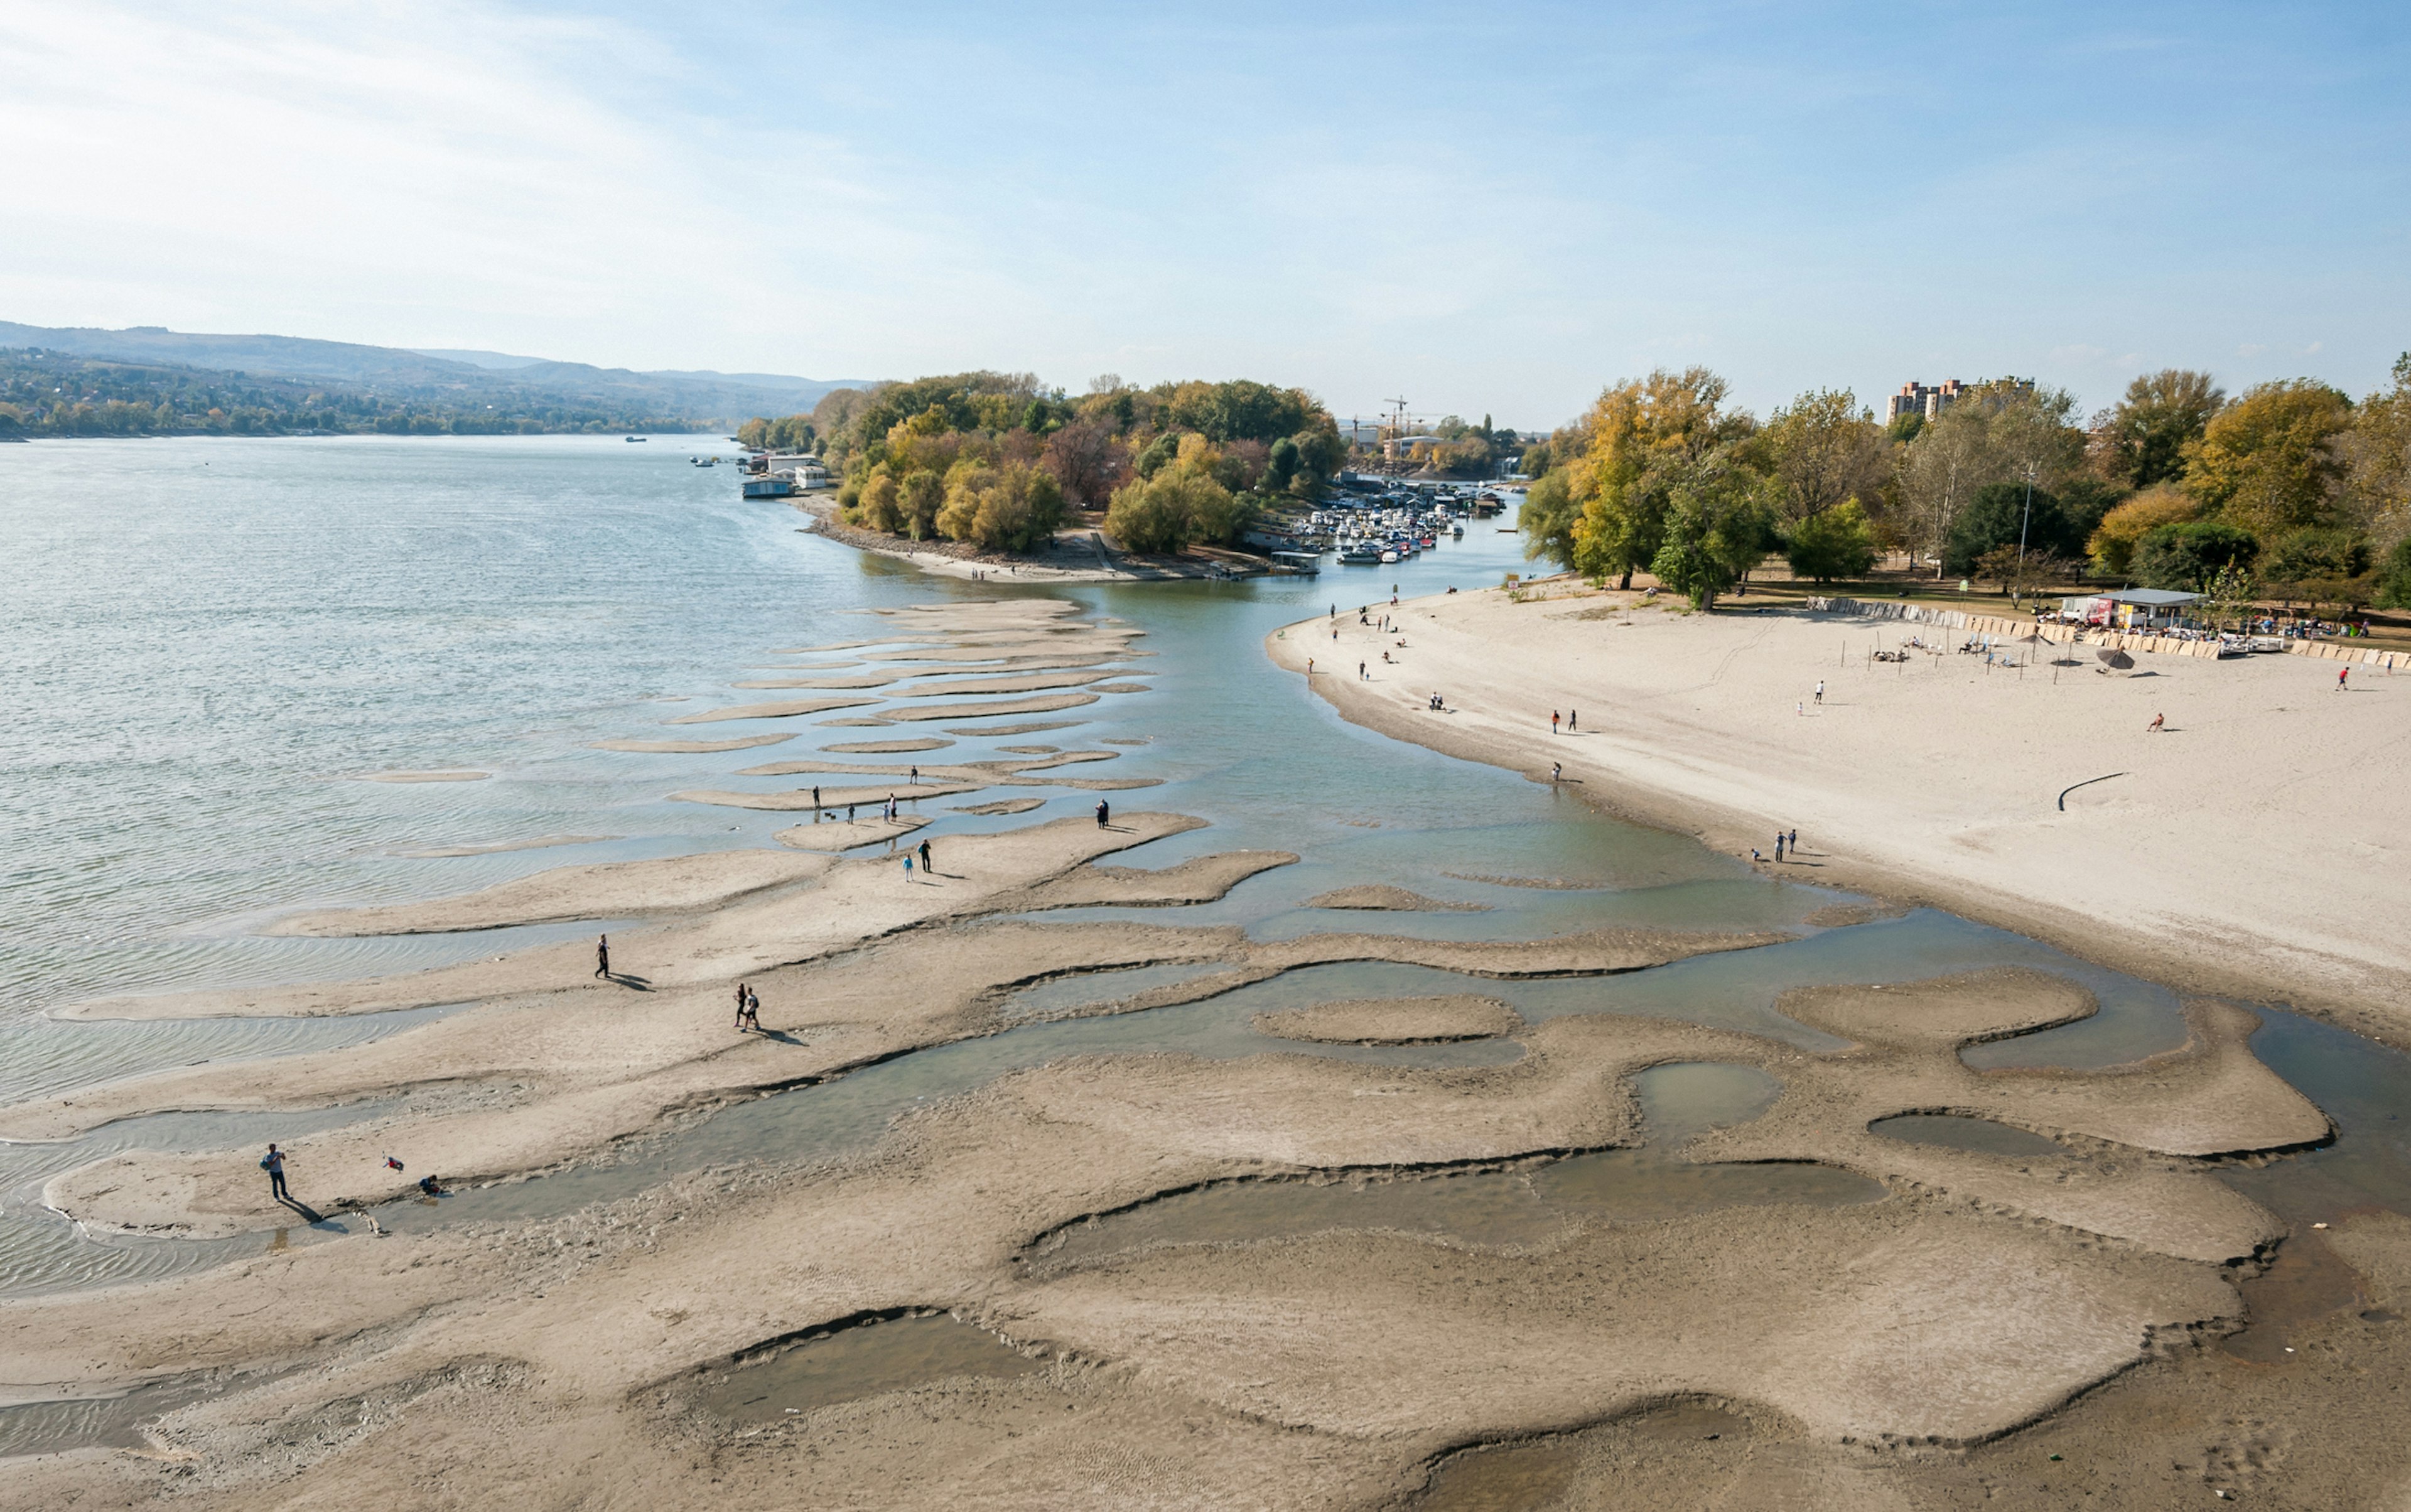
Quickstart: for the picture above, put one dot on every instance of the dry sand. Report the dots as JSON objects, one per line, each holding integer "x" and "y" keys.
{"x": 1025, "y": 682}
{"x": 2255, "y": 847}
{"x": 770, "y": 711}
{"x": 874, "y": 747}
{"x": 1404, "y": 1021}
{"x": 846, "y": 834}
{"x": 677, "y": 884}
{"x": 1046, "y": 703}
{"x": 830, "y": 798}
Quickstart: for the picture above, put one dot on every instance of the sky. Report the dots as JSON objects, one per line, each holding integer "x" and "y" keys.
{"x": 1491, "y": 209}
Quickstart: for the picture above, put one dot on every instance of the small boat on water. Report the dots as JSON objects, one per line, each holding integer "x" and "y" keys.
{"x": 635, "y": 438}
{"x": 1363, "y": 556}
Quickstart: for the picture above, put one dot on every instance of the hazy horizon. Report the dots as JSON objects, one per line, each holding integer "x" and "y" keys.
{"x": 1485, "y": 213}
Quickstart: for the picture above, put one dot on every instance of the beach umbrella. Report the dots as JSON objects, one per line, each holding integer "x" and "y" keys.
{"x": 2114, "y": 658}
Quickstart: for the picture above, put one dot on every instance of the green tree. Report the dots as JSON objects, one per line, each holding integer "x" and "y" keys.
{"x": 2112, "y": 542}
{"x": 1999, "y": 514}
{"x": 1641, "y": 436}
{"x": 1280, "y": 464}
{"x": 1823, "y": 449}
{"x": 1547, "y": 519}
{"x": 2162, "y": 414}
{"x": 918, "y": 499}
{"x": 2393, "y": 589}
{"x": 2313, "y": 554}
{"x": 2269, "y": 461}
{"x": 2184, "y": 557}
{"x": 1719, "y": 526}
{"x": 1833, "y": 543}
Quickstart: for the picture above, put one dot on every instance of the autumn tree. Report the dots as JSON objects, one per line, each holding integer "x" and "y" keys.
{"x": 2112, "y": 543}
{"x": 2163, "y": 413}
{"x": 1086, "y": 462}
{"x": 1641, "y": 436}
{"x": 1823, "y": 449}
{"x": 2270, "y": 461}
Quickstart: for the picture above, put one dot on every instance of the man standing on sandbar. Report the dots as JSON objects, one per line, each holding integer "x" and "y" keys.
{"x": 274, "y": 1166}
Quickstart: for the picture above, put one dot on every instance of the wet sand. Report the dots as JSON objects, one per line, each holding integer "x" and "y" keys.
{"x": 1865, "y": 1347}
{"x": 1941, "y": 781}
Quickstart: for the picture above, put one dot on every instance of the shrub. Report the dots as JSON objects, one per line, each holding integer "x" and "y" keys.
{"x": 2184, "y": 557}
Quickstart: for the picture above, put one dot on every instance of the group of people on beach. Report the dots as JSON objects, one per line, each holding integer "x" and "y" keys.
{"x": 1783, "y": 840}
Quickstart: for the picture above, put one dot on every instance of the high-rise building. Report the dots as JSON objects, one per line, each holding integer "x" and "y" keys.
{"x": 1915, "y": 398}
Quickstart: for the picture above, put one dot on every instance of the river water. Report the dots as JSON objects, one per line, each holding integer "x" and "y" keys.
{"x": 213, "y": 643}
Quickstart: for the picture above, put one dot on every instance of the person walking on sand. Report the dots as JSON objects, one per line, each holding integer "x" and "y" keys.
{"x": 1360, "y": 671}
{"x": 2159, "y": 723}
{"x": 741, "y": 1005}
{"x": 1821, "y": 690}
{"x": 926, "y": 870}
{"x": 908, "y": 866}
{"x": 1554, "y": 717}
{"x": 1556, "y": 771}
{"x": 1799, "y": 707}
{"x": 1105, "y": 812}
{"x": 274, "y": 1166}
{"x": 1574, "y": 720}
{"x": 603, "y": 957}
{"x": 1309, "y": 662}
{"x": 2342, "y": 672}
{"x": 752, "y": 1016}
{"x": 1795, "y": 845}
{"x": 1778, "y": 847}
{"x": 916, "y": 773}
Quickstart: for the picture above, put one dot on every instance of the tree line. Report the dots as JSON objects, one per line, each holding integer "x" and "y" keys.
{"x": 998, "y": 460}
{"x": 2289, "y": 489}
{"x": 51, "y": 394}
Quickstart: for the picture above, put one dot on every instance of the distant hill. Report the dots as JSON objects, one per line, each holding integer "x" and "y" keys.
{"x": 449, "y": 378}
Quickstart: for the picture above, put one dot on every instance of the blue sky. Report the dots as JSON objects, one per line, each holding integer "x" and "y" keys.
{"x": 1485, "y": 209}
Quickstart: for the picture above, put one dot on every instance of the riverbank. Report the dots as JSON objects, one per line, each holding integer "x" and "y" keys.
{"x": 2253, "y": 846}
{"x": 955, "y": 559}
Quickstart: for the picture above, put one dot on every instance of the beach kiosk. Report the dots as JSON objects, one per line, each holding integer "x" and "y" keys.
{"x": 2129, "y": 609}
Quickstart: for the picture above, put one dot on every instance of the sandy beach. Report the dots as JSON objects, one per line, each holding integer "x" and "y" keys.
{"x": 2253, "y": 846}
{"x": 1369, "y": 1251}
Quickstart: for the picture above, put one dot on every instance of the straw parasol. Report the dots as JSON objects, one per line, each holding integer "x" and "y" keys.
{"x": 2116, "y": 659}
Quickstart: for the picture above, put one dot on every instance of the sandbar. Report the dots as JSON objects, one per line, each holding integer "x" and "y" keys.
{"x": 1381, "y": 896}
{"x": 612, "y": 889}
{"x": 742, "y": 742}
{"x": 1405, "y": 1020}
{"x": 496, "y": 847}
{"x": 770, "y": 711}
{"x": 1044, "y": 704}
{"x": 846, "y": 834}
